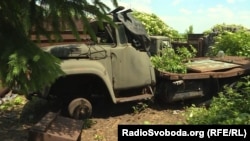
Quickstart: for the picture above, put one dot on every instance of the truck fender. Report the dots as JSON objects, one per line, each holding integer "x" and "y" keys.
{"x": 96, "y": 68}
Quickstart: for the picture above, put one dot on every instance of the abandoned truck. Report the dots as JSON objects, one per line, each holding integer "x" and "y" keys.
{"x": 118, "y": 67}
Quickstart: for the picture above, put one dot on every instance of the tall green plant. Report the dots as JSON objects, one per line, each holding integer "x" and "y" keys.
{"x": 171, "y": 60}
{"x": 230, "y": 107}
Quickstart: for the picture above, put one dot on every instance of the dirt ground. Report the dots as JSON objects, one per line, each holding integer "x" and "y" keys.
{"x": 15, "y": 123}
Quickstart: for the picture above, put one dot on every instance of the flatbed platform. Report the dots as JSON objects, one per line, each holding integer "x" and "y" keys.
{"x": 204, "y": 67}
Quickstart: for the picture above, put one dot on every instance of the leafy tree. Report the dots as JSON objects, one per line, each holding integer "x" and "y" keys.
{"x": 154, "y": 25}
{"x": 232, "y": 39}
{"x": 221, "y": 28}
{"x": 188, "y": 31}
{"x": 234, "y": 44}
{"x": 23, "y": 63}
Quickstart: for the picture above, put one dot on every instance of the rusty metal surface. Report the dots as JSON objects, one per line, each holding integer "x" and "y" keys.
{"x": 133, "y": 98}
{"x": 207, "y": 65}
{"x": 56, "y": 128}
{"x": 242, "y": 69}
{"x": 67, "y": 37}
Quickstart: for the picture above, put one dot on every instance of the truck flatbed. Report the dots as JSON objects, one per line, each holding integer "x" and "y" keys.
{"x": 204, "y": 67}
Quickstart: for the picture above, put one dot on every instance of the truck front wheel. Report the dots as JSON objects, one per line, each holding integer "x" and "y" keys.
{"x": 80, "y": 108}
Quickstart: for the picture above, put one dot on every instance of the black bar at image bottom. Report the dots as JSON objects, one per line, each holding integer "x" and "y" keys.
{"x": 194, "y": 132}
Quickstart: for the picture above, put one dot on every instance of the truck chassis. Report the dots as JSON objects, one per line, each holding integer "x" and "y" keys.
{"x": 203, "y": 79}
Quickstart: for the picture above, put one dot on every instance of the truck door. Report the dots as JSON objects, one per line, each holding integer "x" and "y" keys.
{"x": 131, "y": 68}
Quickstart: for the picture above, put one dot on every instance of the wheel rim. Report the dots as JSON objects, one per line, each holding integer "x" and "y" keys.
{"x": 80, "y": 108}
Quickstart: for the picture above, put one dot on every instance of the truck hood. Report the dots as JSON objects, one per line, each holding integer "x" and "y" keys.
{"x": 66, "y": 50}
{"x": 79, "y": 66}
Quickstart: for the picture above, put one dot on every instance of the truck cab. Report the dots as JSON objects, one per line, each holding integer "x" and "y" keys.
{"x": 158, "y": 43}
{"x": 116, "y": 67}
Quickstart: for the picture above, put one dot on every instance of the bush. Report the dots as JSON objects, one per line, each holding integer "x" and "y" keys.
{"x": 234, "y": 44}
{"x": 171, "y": 60}
{"x": 230, "y": 107}
{"x": 155, "y": 26}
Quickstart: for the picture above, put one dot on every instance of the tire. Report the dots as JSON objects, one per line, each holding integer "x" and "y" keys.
{"x": 80, "y": 108}
{"x": 166, "y": 92}
{"x": 210, "y": 89}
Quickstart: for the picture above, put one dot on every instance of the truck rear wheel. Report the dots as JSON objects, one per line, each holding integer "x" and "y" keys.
{"x": 80, "y": 108}
{"x": 166, "y": 92}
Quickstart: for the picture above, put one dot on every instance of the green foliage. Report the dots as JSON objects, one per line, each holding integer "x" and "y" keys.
{"x": 22, "y": 63}
{"x": 26, "y": 66}
{"x": 222, "y": 28}
{"x": 234, "y": 44}
{"x": 232, "y": 39}
{"x": 154, "y": 25}
{"x": 41, "y": 17}
{"x": 188, "y": 31}
{"x": 12, "y": 103}
{"x": 98, "y": 137}
{"x": 230, "y": 107}
{"x": 139, "y": 107}
{"x": 172, "y": 60}
{"x": 87, "y": 123}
